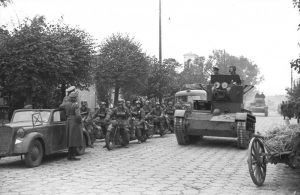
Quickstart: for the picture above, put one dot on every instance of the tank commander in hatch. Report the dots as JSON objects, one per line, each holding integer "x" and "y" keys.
{"x": 216, "y": 70}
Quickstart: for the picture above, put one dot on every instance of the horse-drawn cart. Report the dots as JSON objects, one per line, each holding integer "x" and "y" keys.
{"x": 260, "y": 153}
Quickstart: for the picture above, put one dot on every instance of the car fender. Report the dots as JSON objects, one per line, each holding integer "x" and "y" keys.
{"x": 22, "y": 145}
{"x": 179, "y": 113}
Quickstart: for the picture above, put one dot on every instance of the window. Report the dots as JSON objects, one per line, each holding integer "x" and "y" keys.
{"x": 56, "y": 116}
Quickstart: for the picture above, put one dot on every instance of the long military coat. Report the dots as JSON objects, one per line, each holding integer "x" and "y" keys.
{"x": 73, "y": 125}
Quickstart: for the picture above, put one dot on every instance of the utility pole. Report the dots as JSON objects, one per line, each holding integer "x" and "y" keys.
{"x": 224, "y": 59}
{"x": 160, "y": 47}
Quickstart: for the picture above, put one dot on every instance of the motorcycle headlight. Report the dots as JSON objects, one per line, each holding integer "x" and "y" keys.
{"x": 224, "y": 85}
{"x": 216, "y": 84}
{"x": 21, "y": 133}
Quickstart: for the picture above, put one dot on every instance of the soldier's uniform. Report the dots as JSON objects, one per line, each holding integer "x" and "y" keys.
{"x": 99, "y": 117}
{"x": 85, "y": 113}
{"x": 157, "y": 114}
{"x": 120, "y": 116}
{"x": 283, "y": 109}
{"x": 170, "y": 111}
{"x": 138, "y": 116}
{"x": 147, "y": 108}
{"x": 297, "y": 110}
{"x": 74, "y": 125}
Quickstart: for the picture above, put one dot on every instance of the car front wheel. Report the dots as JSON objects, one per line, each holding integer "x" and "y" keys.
{"x": 34, "y": 156}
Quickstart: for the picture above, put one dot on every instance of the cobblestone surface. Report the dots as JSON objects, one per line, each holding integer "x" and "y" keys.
{"x": 160, "y": 166}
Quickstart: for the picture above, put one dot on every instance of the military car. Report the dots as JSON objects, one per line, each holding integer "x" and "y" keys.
{"x": 259, "y": 106}
{"x": 35, "y": 133}
{"x": 215, "y": 110}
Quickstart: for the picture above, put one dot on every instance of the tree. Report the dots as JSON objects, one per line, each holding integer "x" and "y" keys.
{"x": 37, "y": 57}
{"x": 4, "y": 2}
{"x": 194, "y": 71}
{"x": 247, "y": 69}
{"x": 122, "y": 64}
{"x": 162, "y": 78}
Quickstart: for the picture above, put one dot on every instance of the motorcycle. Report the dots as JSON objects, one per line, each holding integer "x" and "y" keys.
{"x": 115, "y": 136}
{"x": 90, "y": 127}
{"x": 137, "y": 124}
{"x": 158, "y": 125}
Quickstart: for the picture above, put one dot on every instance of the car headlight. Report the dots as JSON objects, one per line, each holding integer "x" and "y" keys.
{"x": 224, "y": 85}
{"x": 21, "y": 133}
{"x": 216, "y": 84}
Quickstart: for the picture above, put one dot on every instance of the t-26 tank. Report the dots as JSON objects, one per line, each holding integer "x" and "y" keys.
{"x": 259, "y": 105}
{"x": 220, "y": 114}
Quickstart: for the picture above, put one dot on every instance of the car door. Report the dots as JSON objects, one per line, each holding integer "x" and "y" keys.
{"x": 58, "y": 132}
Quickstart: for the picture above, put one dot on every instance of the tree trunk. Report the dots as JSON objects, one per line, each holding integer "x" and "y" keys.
{"x": 28, "y": 100}
{"x": 116, "y": 96}
{"x": 62, "y": 91}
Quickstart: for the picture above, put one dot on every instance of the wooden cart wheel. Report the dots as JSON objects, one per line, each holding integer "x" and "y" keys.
{"x": 257, "y": 162}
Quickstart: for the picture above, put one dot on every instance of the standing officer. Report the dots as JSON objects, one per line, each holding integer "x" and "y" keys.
{"x": 74, "y": 128}
{"x": 170, "y": 111}
{"x": 69, "y": 91}
{"x": 120, "y": 116}
{"x": 297, "y": 110}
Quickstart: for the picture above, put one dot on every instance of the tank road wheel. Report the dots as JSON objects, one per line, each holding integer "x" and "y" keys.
{"x": 34, "y": 156}
{"x": 182, "y": 138}
{"x": 81, "y": 150}
{"x": 243, "y": 136}
{"x": 257, "y": 163}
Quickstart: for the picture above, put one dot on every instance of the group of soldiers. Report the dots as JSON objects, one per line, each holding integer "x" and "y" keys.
{"x": 132, "y": 118}
{"x": 290, "y": 109}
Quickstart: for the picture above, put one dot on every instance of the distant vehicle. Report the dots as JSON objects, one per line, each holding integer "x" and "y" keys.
{"x": 214, "y": 110}
{"x": 35, "y": 133}
{"x": 259, "y": 106}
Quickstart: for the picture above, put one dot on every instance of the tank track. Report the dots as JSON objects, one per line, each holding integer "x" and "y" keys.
{"x": 182, "y": 138}
{"x": 243, "y": 136}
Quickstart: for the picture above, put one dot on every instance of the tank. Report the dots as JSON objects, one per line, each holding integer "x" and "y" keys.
{"x": 259, "y": 105}
{"x": 215, "y": 109}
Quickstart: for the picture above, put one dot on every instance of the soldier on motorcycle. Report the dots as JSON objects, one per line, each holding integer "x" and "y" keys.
{"x": 169, "y": 113}
{"x": 147, "y": 107}
{"x": 138, "y": 117}
{"x": 157, "y": 115}
{"x": 119, "y": 116}
{"x": 99, "y": 117}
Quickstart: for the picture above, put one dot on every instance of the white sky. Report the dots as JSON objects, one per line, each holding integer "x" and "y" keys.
{"x": 264, "y": 31}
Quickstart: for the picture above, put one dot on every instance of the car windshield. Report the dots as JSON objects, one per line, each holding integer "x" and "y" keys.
{"x": 187, "y": 98}
{"x": 26, "y": 116}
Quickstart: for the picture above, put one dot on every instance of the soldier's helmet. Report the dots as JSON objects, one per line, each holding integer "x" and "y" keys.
{"x": 128, "y": 102}
{"x": 170, "y": 103}
{"x": 121, "y": 101}
{"x": 103, "y": 103}
{"x": 157, "y": 103}
{"x": 138, "y": 103}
